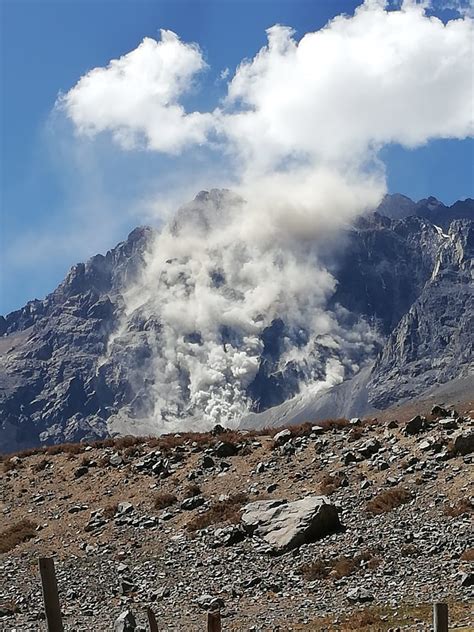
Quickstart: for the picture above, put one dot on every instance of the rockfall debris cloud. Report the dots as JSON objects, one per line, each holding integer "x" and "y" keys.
{"x": 300, "y": 127}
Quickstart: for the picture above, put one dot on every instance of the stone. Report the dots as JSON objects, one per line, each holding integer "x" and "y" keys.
{"x": 282, "y": 437}
{"x": 124, "y": 507}
{"x": 115, "y": 459}
{"x": 463, "y": 443}
{"x": 218, "y": 430}
{"x": 223, "y": 449}
{"x": 191, "y": 503}
{"x": 208, "y": 602}
{"x": 359, "y": 595}
{"x": 207, "y": 462}
{"x": 368, "y": 448}
{"x": 416, "y": 425}
{"x": 125, "y": 622}
{"x": 83, "y": 469}
{"x": 127, "y": 586}
{"x": 439, "y": 411}
{"x": 287, "y": 525}
{"x": 448, "y": 423}
{"x": 467, "y": 580}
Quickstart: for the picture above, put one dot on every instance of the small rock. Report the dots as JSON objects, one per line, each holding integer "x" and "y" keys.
{"x": 125, "y": 622}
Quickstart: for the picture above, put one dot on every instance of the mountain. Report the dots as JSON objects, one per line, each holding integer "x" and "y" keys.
{"x": 80, "y": 364}
{"x": 398, "y": 206}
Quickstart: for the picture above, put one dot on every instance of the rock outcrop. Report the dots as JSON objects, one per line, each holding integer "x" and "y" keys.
{"x": 285, "y": 526}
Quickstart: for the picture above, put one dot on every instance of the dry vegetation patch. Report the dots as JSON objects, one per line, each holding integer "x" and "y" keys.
{"x": 330, "y": 482}
{"x": 387, "y": 500}
{"x": 459, "y": 508}
{"x": 468, "y": 555}
{"x": 164, "y": 500}
{"x": 222, "y": 511}
{"x": 16, "y": 534}
{"x": 339, "y": 567}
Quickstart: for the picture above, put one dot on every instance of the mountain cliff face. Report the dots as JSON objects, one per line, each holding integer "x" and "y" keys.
{"x": 71, "y": 369}
{"x": 432, "y": 343}
{"x": 49, "y": 351}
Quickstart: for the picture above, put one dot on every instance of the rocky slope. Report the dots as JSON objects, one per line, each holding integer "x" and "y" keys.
{"x": 407, "y": 277}
{"x": 173, "y": 524}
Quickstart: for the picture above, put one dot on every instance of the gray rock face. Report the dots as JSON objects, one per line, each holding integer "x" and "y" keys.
{"x": 432, "y": 343}
{"x": 285, "y": 526}
{"x": 51, "y": 386}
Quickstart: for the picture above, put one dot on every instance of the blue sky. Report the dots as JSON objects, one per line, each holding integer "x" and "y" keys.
{"x": 51, "y": 185}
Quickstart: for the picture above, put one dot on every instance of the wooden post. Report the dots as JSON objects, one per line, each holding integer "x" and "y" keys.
{"x": 214, "y": 621}
{"x": 152, "y": 620}
{"x": 50, "y": 595}
{"x": 440, "y": 617}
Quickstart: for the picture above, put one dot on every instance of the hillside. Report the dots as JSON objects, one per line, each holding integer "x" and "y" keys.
{"x": 166, "y": 523}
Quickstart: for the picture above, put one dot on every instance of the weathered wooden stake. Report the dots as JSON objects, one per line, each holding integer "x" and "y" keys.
{"x": 152, "y": 620}
{"x": 214, "y": 621}
{"x": 440, "y": 617}
{"x": 50, "y": 594}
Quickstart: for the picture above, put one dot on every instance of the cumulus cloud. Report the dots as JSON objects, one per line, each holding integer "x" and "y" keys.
{"x": 300, "y": 126}
{"x": 137, "y": 97}
{"x": 361, "y": 82}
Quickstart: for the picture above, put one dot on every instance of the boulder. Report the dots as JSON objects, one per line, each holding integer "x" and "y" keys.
{"x": 224, "y": 449}
{"x": 286, "y": 525}
{"x": 415, "y": 425}
{"x": 282, "y": 437}
{"x": 464, "y": 443}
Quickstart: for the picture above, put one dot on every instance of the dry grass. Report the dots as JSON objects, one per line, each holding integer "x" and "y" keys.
{"x": 459, "y": 508}
{"x": 40, "y": 465}
{"x": 163, "y": 500}
{"x": 16, "y": 534}
{"x": 388, "y": 500}
{"x": 110, "y": 511}
{"x": 329, "y": 483}
{"x": 222, "y": 511}
{"x": 192, "y": 490}
{"x": 339, "y": 567}
{"x": 468, "y": 555}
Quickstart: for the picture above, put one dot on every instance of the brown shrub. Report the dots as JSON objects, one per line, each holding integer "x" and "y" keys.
{"x": 65, "y": 448}
{"x": 460, "y": 507}
{"x": 339, "y": 567}
{"x": 192, "y": 490}
{"x": 163, "y": 500}
{"x": 110, "y": 510}
{"x": 40, "y": 465}
{"x": 468, "y": 555}
{"x": 16, "y": 534}
{"x": 9, "y": 466}
{"x": 319, "y": 569}
{"x": 388, "y": 500}
{"x": 222, "y": 511}
{"x": 335, "y": 424}
{"x": 329, "y": 483}
{"x": 365, "y": 619}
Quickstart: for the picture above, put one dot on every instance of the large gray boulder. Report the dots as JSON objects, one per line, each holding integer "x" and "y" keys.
{"x": 286, "y": 525}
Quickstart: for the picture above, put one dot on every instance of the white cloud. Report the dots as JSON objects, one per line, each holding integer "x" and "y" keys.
{"x": 137, "y": 96}
{"x": 361, "y": 82}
